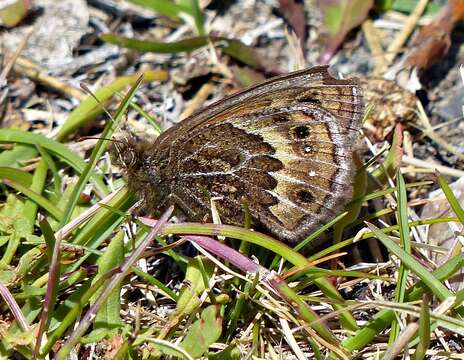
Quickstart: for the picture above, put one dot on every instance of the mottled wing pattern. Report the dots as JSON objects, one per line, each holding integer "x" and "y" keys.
{"x": 284, "y": 146}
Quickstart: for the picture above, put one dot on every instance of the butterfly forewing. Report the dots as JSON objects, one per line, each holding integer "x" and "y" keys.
{"x": 284, "y": 147}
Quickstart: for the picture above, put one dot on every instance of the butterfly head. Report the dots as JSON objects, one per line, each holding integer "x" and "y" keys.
{"x": 135, "y": 156}
{"x": 131, "y": 154}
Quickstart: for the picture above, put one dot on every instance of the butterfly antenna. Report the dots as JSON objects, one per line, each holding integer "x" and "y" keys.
{"x": 89, "y": 92}
{"x": 100, "y": 138}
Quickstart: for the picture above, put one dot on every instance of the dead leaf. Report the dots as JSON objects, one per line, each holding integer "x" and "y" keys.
{"x": 340, "y": 17}
{"x": 434, "y": 40}
{"x": 294, "y": 13}
{"x": 392, "y": 105}
{"x": 12, "y": 13}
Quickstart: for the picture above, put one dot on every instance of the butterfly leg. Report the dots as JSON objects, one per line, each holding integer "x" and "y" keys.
{"x": 173, "y": 199}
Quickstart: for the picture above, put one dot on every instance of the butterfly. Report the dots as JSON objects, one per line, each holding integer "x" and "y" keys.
{"x": 283, "y": 147}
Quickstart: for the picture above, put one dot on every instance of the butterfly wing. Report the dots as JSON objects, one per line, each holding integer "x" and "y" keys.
{"x": 284, "y": 146}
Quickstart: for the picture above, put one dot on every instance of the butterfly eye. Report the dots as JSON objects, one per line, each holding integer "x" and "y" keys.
{"x": 119, "y": 153}
{"x": 131, "y": 159}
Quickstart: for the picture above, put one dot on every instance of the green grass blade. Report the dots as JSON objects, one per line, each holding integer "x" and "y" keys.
{"x": 53, "y": 168}
{"x": 38, "y": 199}
{"x": 232, "y": 47}
{"x": 21, "y": 177}
{"x": 108, "y": 320}
{"x": 391, "y": 164}
{"x": 311, "y": 237}
{"x": 186, "y": 45}
{"x": 384, "y": 318}
{"x": 194, "y": 10}
{"x": 204, "y": 331}
{"x": 424, "y": 330}
{"x": 163, "y": 7}
{"x": 54, "y": 256}
{"x": 77, "y": 303}
{"x": 89, "y": 109}
{"x": 346, "y": 318}
{"x": 97, "y": 152}
{"x": 405, "y": 241}
{"x": 412, "y": 264}
{"x": 16, "y": 156}
{"x": 56, "y": 148}
{"x": 115, "y": 280}
{"x": 454, "y": 203}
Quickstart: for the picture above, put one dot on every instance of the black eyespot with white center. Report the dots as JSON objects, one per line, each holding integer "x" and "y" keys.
{"x": 302, "y": 132}
{"x": 305, "y": 196}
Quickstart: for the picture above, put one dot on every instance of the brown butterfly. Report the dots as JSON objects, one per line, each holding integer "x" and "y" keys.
{"x": 284, "y": 146}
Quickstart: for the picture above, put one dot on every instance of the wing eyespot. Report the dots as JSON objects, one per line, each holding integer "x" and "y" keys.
{"x": 302, "y": 131}
{"x": 305, "y": 196}
{"x": 307, "y": 149}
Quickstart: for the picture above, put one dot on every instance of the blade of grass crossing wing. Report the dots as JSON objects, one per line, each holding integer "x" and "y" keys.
{"x": 98, "y": 151}
{"x": 405, "y": 241}
{"x": 319, "y": 231}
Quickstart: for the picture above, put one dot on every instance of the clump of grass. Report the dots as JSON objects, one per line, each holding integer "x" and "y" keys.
{"x": 76, "y": 273}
